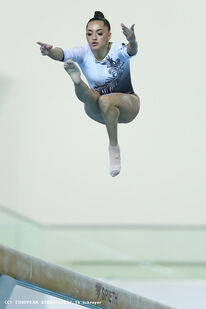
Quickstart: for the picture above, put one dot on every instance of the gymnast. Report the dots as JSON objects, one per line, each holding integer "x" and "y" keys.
{"x": 110, "y": 98}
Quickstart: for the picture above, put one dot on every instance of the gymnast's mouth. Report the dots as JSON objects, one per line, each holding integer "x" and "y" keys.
{"x": 94, "y": 44}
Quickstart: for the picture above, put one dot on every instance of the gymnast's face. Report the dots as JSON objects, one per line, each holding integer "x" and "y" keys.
{"x": 98, "y": 35}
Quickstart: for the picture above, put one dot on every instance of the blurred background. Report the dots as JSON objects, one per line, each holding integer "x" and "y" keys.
{"x": 144, "y": 230}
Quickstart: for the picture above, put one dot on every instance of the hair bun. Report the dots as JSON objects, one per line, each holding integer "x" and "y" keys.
{"x": 98, "y": 14}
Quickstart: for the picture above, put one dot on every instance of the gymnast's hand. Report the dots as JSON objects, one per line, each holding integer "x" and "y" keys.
{"x": 129, "y": 33}
{"x": 45, "y": 48}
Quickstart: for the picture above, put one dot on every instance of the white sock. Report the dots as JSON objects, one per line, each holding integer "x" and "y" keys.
{"x": 115, "y": 160}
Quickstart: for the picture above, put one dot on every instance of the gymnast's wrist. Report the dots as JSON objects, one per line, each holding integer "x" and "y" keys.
{"x": 132, "y": 40}
{"x": 56, "y": 53}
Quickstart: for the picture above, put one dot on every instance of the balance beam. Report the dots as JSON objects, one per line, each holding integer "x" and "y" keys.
{"x": 52, "y": 279}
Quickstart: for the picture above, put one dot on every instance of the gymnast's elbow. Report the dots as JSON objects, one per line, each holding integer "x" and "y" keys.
{"x": 132, "y": 52}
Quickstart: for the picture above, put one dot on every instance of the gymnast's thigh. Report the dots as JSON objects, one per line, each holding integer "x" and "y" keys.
{"x": 128, "y": 105}
{"x": 93, "y": 112}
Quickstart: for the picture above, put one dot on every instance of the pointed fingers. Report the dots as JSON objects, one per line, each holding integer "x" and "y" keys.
{"x": 132, "y": 27}
{"x": 42, "y": 44}
{"x": 123, "y": 26}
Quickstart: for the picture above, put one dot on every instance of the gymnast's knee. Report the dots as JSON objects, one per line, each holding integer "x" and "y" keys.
{"x": 105, "y": 103}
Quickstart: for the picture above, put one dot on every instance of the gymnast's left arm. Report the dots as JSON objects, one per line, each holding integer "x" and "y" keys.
{"x": 132, "y": 47}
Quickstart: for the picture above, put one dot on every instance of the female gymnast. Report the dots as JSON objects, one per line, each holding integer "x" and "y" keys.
{"x": 110, "y": 98}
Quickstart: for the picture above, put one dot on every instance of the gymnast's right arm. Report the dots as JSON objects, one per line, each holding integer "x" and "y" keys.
{"x": 55, "y": 53}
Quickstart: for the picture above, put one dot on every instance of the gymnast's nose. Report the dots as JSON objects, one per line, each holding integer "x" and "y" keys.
{"x": 94, "y": 37}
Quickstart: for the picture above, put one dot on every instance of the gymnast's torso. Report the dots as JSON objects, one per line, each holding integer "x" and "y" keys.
{"x": 112, "y": 74}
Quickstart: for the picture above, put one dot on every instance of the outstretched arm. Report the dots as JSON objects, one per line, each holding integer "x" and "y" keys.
{"x": 48, "y": 50}
{"x": 130, "y": 36}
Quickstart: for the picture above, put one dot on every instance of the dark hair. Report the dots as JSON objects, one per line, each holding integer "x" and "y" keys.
{"x": 100, "y": 16}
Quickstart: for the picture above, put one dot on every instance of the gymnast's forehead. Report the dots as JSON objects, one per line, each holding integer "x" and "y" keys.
{"x": 96, "y": 24}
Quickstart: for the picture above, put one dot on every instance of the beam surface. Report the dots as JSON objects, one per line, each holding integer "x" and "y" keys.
{"x": 38, "y": 273}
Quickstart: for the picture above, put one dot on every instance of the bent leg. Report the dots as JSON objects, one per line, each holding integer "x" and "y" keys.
{"x": 128, "y": 105}
{"x": 117, "y": 108}
{"x": 111, "y": 114}
{"x": 86, "y": 95}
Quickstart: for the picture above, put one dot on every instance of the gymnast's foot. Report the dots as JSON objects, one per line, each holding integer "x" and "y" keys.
{"x": 73, "y": 70}
{"x": 115, "y": 161}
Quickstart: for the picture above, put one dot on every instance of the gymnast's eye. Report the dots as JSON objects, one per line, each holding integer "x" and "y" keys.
{"x": 97, "y": 33}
